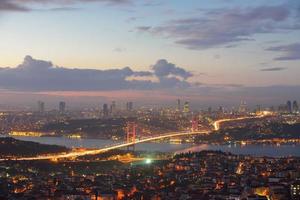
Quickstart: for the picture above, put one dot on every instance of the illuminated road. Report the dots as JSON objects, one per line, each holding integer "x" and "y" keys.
{"x": 75, "y": 154}
{"x": 217, "y": 123}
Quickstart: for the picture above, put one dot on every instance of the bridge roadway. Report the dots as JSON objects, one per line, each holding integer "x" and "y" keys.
{"x": 75, "y": 154}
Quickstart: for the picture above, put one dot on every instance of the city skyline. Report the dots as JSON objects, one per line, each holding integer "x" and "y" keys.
{"x": 150, "y": 99}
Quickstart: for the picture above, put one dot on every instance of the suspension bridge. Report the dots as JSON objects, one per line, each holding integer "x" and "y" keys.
{"x": 131, "y": 140}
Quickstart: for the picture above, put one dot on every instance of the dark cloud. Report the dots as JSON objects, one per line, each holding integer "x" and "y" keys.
{"x": 225, "y": 27}
{"x": 26, "y": 5}
{"x": 109, "y": 2}
{"x": 152, "y": 3}
{"x": 143, "y": 28}
{"x": 57, "y": 9}
{"x": 273, "y": 69}
{"x": 163, "y": 69}
{"x": 291, "y": 51}
{"x": 232, "y": 85}
{"x": 39, "y": 75}
{"x": 42, "y": 76}
{"x": 142, "y": 73}
{"x": 6, "y": 5}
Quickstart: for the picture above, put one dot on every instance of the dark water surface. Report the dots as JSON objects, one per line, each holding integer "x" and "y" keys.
{"x": 253, "y": 149}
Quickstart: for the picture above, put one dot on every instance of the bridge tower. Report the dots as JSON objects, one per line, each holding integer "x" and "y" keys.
{"x": 131, "y": 133}
{"x": 195, "y": 124}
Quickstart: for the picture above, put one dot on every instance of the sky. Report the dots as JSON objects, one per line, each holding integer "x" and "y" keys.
{"x": 207, "y": 52}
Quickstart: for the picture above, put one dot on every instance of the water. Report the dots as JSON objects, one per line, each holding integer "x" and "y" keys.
{"x": 253, "y": 149}
{"x": 99, "y": 143}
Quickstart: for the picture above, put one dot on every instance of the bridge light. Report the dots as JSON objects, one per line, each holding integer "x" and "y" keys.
{"x": 148, "y": 161}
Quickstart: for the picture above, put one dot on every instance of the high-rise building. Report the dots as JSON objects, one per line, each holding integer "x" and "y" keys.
{"x": 221, "y": 110}
{"x": 186, "y": 107}
{"x": 243, "y": 107}
{"x": 295, "y": 107}
{"x": 129, "y": 106}
{"x": 113, "y": 107}
{"x": 62, "y": 107}
{"x": 258, "y": 108}
{"x": 105, "y": 110}
{"x": 178, "y": 105}
{"x": 295, "y": 190}
{"x": 209, "y": 110}
{"x": 289, "y": 106}
{"x": 41, "y": 106}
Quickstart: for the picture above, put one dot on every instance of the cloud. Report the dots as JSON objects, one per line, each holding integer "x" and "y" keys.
{"x": 26, "y": 5}
{"x": 58, "y": 9}
{"x": 291, "y": 51}
{"x": 225, "y": 27}
{"x": 39, "y": 75}
{"x": 109, "y": 2}
{"x": 6, "y": 5}
{"x": 273, "y": 69}
{"x": 142, "y": 73}
{"x": 119, "y": 49}
{"x": 144, "y": 28}
{"x": 163, "y": 69}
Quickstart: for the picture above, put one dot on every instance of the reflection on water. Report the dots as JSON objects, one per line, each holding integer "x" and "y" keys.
{"x": 68, "y": 142}
{"x": 255, "y": 149}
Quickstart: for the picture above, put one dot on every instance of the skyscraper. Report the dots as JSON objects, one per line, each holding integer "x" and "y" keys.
{"x": 178, "y": 105}
{"x": 105, "y": 110}
{"x": 243, "y": 107}
{"x": 129, "y": 106}
{"x": 295, "y": 107}
{"x": 186, "y": 107}
{"x": 289, "y": 106}
{"x": 113, "y": 107}
{"x": 41, "y": 106}
{"x": 62, "y": 107}
{"x": 221, "y": 110}
{"x": 258, "y": 108}
{"x": 209, "y": 110}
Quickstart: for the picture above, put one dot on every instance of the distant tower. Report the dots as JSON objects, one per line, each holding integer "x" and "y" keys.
{"x": 41, "y": 106}
{"x": 258, "y": 108}
{"x": 62, "y": 107}
{"x": 243, "y": 107}
{"x": 129, "y": 106}
{"x": 113, "y": 107}
{"x": 221, "y": 110}
{"x": 209, "y": 110}
{"x": 105, "y": 110}
{"x": 295, "y": 107}
{"x": 186, "y": 107}
{"x": 289, "y": 106}
{"x": 178, "y": 105}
